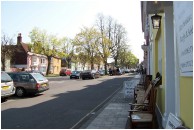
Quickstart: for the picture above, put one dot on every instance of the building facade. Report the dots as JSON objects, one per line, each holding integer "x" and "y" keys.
{"x": 55, "y": 66}
{"x": 24, "y": 59}
{"x": 37, "y": 62}
{"x": 169, "y": 50}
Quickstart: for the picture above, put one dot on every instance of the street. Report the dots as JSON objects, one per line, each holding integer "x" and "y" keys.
{"x": 62, "y": 106}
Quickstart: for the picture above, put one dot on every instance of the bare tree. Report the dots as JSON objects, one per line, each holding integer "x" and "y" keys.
{"x": 6, "y": 49}
{"x": 119, "y": 40}
{"x": 104, "y": 43}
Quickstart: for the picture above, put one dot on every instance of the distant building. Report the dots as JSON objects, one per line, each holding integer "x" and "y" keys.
{"x": 24, "y": 59}
{"x": 55, "y": 66}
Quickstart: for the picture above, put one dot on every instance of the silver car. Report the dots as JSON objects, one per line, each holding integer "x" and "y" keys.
{"x": 75, "y": 74}
{"x": 26, "y": 83}
{"x": 7, "y": 87}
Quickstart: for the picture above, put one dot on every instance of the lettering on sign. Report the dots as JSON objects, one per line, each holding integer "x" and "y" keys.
{"x": 183, "y": 15}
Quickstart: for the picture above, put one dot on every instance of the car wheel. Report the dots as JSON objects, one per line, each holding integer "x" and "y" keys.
{"x": 20, "y": 92}
{"x": 70, "y": 77}
{"x": 83, "y": 78}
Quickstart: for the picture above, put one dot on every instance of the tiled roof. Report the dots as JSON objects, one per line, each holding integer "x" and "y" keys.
{"x": 25, "y": 46}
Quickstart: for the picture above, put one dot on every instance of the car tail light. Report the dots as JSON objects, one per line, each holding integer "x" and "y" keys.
{"x": 37, "y": 86}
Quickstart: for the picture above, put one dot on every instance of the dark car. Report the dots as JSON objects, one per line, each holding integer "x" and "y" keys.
{"x": 75, "y": 74}
{"x": 65, "y": 72}
{"x": 26, "y": 82}
{"x": 90, "y": 74}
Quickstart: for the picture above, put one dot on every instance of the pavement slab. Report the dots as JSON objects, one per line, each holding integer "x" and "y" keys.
{"x": 115, "y": 114}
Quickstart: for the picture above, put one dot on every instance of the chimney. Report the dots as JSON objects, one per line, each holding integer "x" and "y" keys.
{"x": 19, "y": 38}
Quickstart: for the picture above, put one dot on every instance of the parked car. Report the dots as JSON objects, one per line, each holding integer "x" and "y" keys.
{"x": 29, "y": 83}
{"x": 65, "y": 72}
{"x": 75, "y": 74}
{"x": 37, "y": 71}
{"x": 126, "y": 70}
{"x": 90, "y": 74}
{"x": 132, "y": 71}
{"x": 7, "y": 86}
{"x": 102, "y": 72}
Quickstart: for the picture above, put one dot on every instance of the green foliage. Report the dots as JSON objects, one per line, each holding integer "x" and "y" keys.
{"x": 92, "y": 44}
{"x": 127, "y": 59}
{"x": 86, "y": 41}
{"x": 43, "y": 43}
{"x": 83, "y": 58}
{"x": 7, "y": 50}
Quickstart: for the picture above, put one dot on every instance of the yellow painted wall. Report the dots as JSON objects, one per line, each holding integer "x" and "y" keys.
{"x": 159, "y": 34}
{"x": 186, "y": 84}
{"x": 186, "y": 101}
{"x": 56, "y": 65}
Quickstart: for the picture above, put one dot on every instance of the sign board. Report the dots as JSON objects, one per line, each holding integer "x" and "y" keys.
{"x": 183, "y": 14}
{"x": 173, "y": 122}
{"x": 128, "y": 88}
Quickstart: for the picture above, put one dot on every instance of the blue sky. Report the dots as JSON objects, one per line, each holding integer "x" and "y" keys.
{"x": 66, "y": 18}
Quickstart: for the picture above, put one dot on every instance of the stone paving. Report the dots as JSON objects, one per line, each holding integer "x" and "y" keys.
{"x": 115, "y": 114}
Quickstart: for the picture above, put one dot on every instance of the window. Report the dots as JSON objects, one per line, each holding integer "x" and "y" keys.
{"x": 24, "y": 78}
{"x": 14, "y": 77}
{"x": 39, "y": 77}
{"x": 5, "y": 77}
{"x": 43, "y": 61}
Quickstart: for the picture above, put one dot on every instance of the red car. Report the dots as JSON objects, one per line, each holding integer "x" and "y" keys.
{"x": 65, "y": 72}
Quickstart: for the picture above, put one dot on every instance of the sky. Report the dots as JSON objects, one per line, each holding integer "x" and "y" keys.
{"x": 65, "y": 18}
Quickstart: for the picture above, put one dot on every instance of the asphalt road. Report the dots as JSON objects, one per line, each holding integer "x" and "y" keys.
{"x": 62, "y": 106}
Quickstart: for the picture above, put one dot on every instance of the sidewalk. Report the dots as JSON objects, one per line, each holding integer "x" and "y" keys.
{"x": 114, "y": 114}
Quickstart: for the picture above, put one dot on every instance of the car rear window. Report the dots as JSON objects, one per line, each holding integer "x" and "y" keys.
{"x": 75, "y": 72}
{"x": 5, "y": 77}
{"x": 38, "y": 76}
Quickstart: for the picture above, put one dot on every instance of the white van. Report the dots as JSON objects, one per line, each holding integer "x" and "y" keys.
{"x": 7, "y": 87}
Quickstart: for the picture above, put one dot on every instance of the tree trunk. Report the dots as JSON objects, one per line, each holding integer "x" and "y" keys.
{"x": 68, "y": 62}
{"x": 92, "y": 65}
{"x": 116, "y": 63}
{"x": 3, "y": 62}
{"x": 105, "y": 66}
{"x": 49, "y": 64}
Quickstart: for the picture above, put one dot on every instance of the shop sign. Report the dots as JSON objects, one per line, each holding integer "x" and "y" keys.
{"x": 183, "y": 14}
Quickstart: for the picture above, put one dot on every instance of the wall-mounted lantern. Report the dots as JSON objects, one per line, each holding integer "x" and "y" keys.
{"x": 156, "y": 20}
